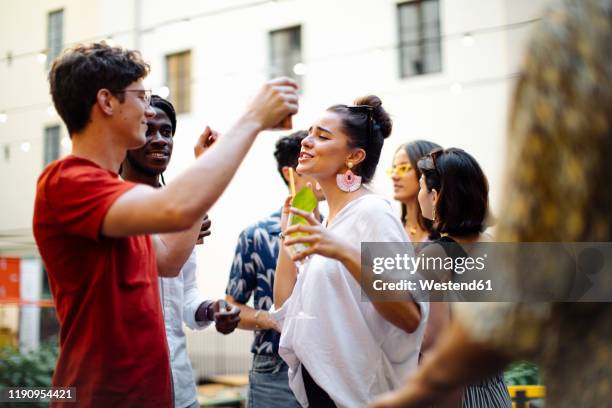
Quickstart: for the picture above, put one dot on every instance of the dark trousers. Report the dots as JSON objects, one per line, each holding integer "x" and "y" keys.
{"x": 317, "y": 397}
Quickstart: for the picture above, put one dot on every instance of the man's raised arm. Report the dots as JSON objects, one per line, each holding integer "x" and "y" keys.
{"x": 145, "y": 210}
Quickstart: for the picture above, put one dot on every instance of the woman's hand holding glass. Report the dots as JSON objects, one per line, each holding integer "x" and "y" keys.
{"x": 285, "y": 213}
{"x": 286, "y": 216}
{"x": 319, "y": 240}
{"x": 304, "y": 200}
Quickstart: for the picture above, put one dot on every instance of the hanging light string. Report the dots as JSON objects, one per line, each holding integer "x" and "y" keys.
{"x": 10, "y": 57}
{"x": 24, "y": 144}
{"x": 467, "y": 36}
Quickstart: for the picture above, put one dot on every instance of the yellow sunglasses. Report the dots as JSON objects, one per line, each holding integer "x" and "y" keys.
{"x": 400, "y": 170}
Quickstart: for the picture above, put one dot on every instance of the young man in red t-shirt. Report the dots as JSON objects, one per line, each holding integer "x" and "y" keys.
{"x": 92, "y": 228}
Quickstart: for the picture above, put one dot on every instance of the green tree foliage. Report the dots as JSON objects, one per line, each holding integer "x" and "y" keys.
{"x": 32, "y": 369}
{"x": 522, "y": 373}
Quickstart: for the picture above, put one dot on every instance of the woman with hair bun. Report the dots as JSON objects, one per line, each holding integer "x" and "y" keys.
{"x": 343, "y": 351}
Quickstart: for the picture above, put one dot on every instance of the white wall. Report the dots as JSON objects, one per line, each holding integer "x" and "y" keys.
{"x": 26, "y": 101}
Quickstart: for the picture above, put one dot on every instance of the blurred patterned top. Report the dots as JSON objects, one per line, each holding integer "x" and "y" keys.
{"x": 252, "y": 273}
{"x": 558, "y": 189}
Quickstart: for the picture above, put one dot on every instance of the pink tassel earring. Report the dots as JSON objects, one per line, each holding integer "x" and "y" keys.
{"x": 348, "y": 182}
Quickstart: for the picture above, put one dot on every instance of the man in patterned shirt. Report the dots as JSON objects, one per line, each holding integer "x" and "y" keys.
{"x": 253, "y": 274}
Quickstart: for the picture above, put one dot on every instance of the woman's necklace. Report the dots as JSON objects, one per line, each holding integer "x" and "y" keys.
{"x": 412, "y": 229}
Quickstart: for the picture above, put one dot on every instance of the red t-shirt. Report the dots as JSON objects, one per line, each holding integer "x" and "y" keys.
{"x": 113, "y": 346}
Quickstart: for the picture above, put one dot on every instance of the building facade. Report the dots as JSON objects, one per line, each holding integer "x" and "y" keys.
{"x": 444, "y": 69}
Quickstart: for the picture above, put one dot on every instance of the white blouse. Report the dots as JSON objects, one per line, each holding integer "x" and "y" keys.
{"x": 348, "y": 348}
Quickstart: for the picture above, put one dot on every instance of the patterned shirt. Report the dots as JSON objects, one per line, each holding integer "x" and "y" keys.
{"x": 253, "y": 273}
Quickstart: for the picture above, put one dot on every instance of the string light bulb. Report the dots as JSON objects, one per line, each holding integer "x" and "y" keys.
{"x": 300, "y": 69}
{"x": 66, "y": 142}
{"x": 41, "y": 57}
{"x": 456, "y": 88}
{"x": 468, "y": 40}
{"x": 163, "y": 91}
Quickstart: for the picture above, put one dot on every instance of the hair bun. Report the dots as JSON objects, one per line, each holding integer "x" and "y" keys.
{"x": 381, "y": 116}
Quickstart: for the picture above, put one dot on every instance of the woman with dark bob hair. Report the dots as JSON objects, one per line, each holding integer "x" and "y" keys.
{"x": 405, "y": 176}
{"x": 342, "y": 351}
{"x": 454, "y": 195}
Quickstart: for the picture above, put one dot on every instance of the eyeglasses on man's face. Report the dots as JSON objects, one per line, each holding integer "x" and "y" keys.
{"x": 400, "y": 170}
{"x": 142, "y": 94}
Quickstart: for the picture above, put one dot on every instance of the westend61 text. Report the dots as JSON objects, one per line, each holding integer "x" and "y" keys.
{"x": 432, "y": 285}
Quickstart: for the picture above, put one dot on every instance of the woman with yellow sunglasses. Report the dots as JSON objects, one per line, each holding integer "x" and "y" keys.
{"x": 405, "y": 176}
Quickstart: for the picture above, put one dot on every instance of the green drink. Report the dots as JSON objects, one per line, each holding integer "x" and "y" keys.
{"x": 304, "y": 200}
